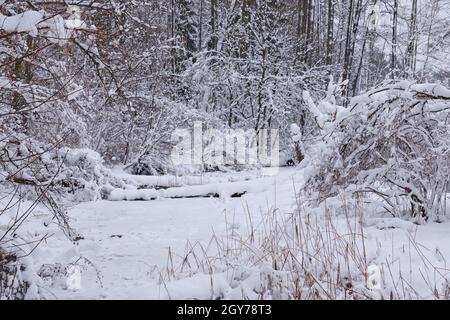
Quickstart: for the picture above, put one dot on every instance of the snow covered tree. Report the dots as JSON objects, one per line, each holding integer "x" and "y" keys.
{"x": 248, "y": 82}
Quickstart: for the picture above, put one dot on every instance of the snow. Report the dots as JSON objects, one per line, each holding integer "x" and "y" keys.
{"x": 128, "y": 242}
{"x": 431, "y": 89}
{"x": 74, "y": 156}
{"x": 24, "y": 22}
{"x": 233, "y": 235}
{"x": 57, "y": 32}
{"x": 125, "y": 245}
{"x": 318, "y": 115}
{"x": 223, "y": 190}
{"x": 296, "y": 133}
{"x": 75, "y": 24}
{"x": 4, "y": 83}
{"x": 392, "y": 248}
{"x": 185, "y": 180}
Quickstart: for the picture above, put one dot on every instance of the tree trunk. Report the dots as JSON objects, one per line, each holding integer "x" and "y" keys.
{"x": 348, "y": 47}
{"x": 172, "y": 35}
{"x": 310, "y": 33}
{"x": 213, "y": 25}
{"x": 330, "y": 31}
{"x": 394, "y": 40}
{"x": 411, "y": 52}
{"x": 200, "y": 27}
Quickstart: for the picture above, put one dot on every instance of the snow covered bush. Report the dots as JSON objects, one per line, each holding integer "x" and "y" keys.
{"x": 35, "y": 177}
{"x": 74, "y": 175}
{"x": 82, "y": 174}
{"x": 393, "y": 143}
{"x": 12, "y": 286}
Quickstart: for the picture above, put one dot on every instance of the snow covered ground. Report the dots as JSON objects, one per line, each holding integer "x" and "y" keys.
{"x": 125, "y": 245}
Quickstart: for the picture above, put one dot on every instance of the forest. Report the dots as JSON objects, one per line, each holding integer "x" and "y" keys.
{"x": 92, "y": 93}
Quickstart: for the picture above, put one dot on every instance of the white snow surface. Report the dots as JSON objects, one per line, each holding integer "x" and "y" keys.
{"x": 126, "y": 244}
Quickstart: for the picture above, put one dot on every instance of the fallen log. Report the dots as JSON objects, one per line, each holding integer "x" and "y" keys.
{"x": 217, "y": 190}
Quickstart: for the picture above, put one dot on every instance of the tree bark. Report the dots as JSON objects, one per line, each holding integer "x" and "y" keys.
{"x": 394, "y": 39}
{"x": 330, "y": 32}
{"x": 213, "y": 25}
{"x": 411, "y": 52}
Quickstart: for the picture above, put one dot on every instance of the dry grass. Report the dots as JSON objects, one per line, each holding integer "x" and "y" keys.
{"x": 303, "y": 255}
